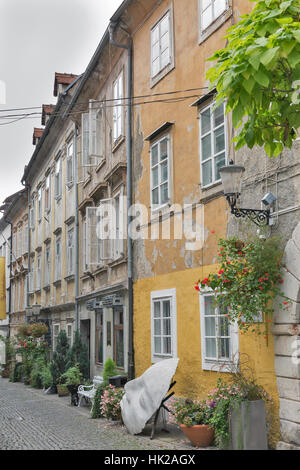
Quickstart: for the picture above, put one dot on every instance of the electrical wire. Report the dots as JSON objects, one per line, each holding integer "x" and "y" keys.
{"x": 138, "y": 103}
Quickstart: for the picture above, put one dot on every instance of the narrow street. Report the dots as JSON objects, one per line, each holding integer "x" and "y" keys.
{"x": 31, "y": 420}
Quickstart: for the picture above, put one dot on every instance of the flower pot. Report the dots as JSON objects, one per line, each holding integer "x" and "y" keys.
{"x": 74, "y": 395}
{"x": 200, "y": 435}
{"x": 62, "y": 390}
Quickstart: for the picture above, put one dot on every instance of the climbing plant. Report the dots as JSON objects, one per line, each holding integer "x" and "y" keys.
{"x": 248, "y": 280}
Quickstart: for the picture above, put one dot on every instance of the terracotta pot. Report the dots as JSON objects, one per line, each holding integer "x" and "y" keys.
{"x": 200, "y": 435}
{"x": 62, "y": 390}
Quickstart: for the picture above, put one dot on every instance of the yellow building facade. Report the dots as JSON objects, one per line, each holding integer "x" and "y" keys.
{"x": 180, "y": 142}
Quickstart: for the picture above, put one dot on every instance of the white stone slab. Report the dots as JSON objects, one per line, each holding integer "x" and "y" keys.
{"x": 289, "y": 410}
{"x": 288, "y": 388}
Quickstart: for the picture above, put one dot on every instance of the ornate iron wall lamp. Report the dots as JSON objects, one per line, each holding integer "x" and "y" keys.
{"x": 231, "y": 178}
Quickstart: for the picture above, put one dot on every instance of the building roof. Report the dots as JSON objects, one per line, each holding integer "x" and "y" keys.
{"x": 37, "y": 133}
{"x": 47, "y": 109}
{"x": 62, "y": 79}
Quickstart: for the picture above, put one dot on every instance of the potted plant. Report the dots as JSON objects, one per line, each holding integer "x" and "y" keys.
{"x": 72, "y": 379}
{"x": 61, "y": 386}
{"x": 239, "y": 417}
{"x": 194, "y": 420}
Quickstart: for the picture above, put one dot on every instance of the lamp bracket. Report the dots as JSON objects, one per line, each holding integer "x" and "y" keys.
{"x": 258, "y": 216}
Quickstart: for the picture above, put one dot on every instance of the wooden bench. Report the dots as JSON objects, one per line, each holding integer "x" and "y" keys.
{"x": 88, "y": 391}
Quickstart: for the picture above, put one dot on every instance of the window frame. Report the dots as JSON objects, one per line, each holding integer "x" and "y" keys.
{"x": 216, "y": 22}
{"x": 118, "y": 99}
{"x": 58, "y": 263}
{"x": 211, "y": 132}
{"x": 47, "y": 277}
{"x": 58, "y": 179}
{"x": 171, "y": 64}
{"x": 55, "y": 336}
{"x": 70, "y": 252}
{"x": 97, "y": 330}
{"x": 70, "y": 164}
{"x": 47, "y": 195}
{"x": 160, "y": 295}
{"x": 157, "y": 207}
{"x": 217, "y": 364}
{"x": 70, "y": 338}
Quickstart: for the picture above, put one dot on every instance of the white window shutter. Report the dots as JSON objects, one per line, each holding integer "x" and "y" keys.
{"x": 85, "y": 139}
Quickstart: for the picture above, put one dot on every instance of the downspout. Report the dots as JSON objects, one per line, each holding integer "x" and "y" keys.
{"x": 76, "y": 231}
{"x": 28, "y": 240}
{"x": 10, "y": 269}
{"x": 128, "y": 47}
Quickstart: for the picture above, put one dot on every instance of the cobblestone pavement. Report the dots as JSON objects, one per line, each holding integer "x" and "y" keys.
{"x": 29, "y": 419}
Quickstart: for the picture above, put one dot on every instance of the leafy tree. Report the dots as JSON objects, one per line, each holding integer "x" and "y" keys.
{"x": 78, "y": 354}
{"x": 258, "y": 73}
{"x": 58, "y": 364}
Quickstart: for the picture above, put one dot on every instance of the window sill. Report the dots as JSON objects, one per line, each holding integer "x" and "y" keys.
{"x": 218, "y": 366}
{"x": 216, "y": 24}
{"x": 87, "y": 181}
{"x": 47, "y": 287}
{"x": 211, "y": 192}
{"x": 159, "y": 358}
{"x": 57, "y": 282}
{"x": 117, "y": 143}
{"x": 117, "y": 262}
{"x": 70, "y": 277}
{"x": 158, "y": 77}
{"x": 101, "y": 164}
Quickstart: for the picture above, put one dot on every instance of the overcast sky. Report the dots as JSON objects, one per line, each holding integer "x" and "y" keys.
{"x": 37, "y": 39}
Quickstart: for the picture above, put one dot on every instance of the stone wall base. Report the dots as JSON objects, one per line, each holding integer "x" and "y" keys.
{"x": 284, "y": 446}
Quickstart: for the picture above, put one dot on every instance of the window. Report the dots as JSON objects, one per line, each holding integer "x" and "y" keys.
{"x": 48, "y": 193}
{"x": 32, "y": 214}
{"x": 70, "y": 333}
{"x": 30, "y": 276}
{"x": 118, "y": 107}
{"x": 161, "y": 45}
{"x": 210, "y": 10}
{"x": 19, "y": 243}
{"x": 58, "y": 259}
{"x": 84, "y": 246}
{"x": 47, "y": 264}
{"x": 118, "y": 337}
{"x": 25, "y": 239}
{"x": 25, "y": 293}
{"x": 13, "y": 297}
{"x": 70, "y": 252}
{"x": 58, "y": 178}
{"x": 219, "y": 338}
{"x": 118, "y": 248}
{"x": 70, "y": 176}
{"x": 14, "y": 250}
{"x": 160, "y": 173}
{"x": 163, "y": 324}
{"x": 99, "y": 337}
{"x": 96, "y": 132}
{"x": 212, "y": 143}
{"x": 40, "y": 204}
{"x": 38, "y": 272}
{"x": 56, "y": 330}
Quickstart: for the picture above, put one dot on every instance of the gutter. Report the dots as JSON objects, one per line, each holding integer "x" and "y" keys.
{"x": 128, "y": 47}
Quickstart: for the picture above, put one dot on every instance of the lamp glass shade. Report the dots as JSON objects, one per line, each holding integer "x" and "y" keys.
{"x": 231, "y": 176}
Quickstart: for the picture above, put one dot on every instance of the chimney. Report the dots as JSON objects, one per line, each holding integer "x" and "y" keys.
{"x": 37, "y": 134}
{"x": 47, "y": 110}
{"x": 62, "y": 81}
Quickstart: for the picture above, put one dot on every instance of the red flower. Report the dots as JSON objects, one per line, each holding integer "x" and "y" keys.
{"x": 221, "y": 271}
{"x": 197, "y": 288}
{"x": 260, "y": 287}
{"x": 260, "y": 279}
{"x": 240, "y": 253}
{"x": 212, "y": 231}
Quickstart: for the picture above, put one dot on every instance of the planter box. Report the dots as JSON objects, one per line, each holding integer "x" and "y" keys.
{"x": 248, "y": 428}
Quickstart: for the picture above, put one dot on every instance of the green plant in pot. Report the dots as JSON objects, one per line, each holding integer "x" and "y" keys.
{"x": 62, "y": 389}
{"x": 72, "y": 379}
{"x": 194, "y": 418}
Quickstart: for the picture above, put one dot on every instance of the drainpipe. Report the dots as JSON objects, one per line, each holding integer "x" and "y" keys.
{"x": 76, "y": 231}
{"x": 10, "y": 270}
{"x": 28, "y": 239}
{"x": 128, "y": 47}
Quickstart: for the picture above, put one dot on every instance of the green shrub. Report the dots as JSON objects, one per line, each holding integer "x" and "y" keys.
{"x": 17, "y": 373}
{"x": 78, "y": 354}
{"x": 35, "y": 375}
{"x": 109, "y": 370}
{"x": 58, "y": 365}
{"x": 46, "y": 376}
{"x": 72, "y": 376}
{"x": 96, "y": 409}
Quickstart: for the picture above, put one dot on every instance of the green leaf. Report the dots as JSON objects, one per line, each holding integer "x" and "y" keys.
{"x": 248, "y": 85}
{"x": 262, "y": 78}
{"x": 296, "y": 35}
{"x": 237, "y": 114}
{"x": 269, "y": 55}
